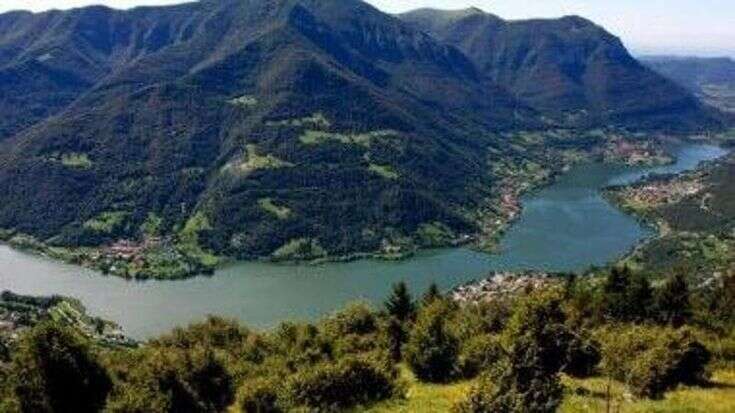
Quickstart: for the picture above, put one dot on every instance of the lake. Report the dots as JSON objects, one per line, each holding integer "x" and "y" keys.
{"x": 566, "y": 226}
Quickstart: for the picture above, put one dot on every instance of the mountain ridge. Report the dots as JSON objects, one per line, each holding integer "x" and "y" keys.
{"x": 281, "y": 128}
{"x": 562, "y": 67}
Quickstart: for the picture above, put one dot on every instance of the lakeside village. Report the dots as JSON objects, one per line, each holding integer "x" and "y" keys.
{"x": 176, "y": 257}
{"x": 19, "y": 313}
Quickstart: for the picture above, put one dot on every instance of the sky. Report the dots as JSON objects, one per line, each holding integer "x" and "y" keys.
{"x": 684, "y": 27}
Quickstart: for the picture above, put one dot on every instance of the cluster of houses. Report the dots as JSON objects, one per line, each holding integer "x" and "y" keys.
{"x": 501, "y": 285}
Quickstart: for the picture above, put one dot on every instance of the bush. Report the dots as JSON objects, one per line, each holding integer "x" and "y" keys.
{"x": 526, "y": 380}
{"x": 653, "y": 360}
{"x": 583, "y": 357}
{"x": 53, "y": 370}
{"x": 345, "y": 384}
{"x": 169, "y": 379}
{"x": 432, "y": 349}
{"x": 478, "y": 354}
{"x": 357, "y": 318}
{"x": 489, "y": 395}
{"x": 259, "y": 396}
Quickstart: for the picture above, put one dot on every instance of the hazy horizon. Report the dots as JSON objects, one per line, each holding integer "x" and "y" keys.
{"x": 671, "y": 27}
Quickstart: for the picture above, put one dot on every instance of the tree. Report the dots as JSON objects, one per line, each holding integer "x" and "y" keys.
{"x": 400, "y": 304}
{"x": 536, "y": 344}
{"x": 53, "y": 370}
{"x": 432, "y": 294}
{"x": 432, "y": 349}
{"x": 715, "y": 306}
{"x": 169, "y": 379}
{"x": 673, "y": 304}
{"x": 626, "y": 296}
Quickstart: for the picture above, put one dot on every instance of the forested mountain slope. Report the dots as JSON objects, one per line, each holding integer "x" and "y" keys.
{"x": 286, "y": 128}
{"x": 572, "y": 70}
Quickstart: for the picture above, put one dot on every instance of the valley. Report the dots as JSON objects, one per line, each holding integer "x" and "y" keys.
{"x": 570, "y": 212}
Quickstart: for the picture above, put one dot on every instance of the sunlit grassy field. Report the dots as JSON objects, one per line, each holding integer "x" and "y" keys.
{"x": 589, "y": 395}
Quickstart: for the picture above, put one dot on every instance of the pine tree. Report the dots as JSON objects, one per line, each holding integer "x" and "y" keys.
{"x": 432, "y": 294}
{"x": 400, "y": 304}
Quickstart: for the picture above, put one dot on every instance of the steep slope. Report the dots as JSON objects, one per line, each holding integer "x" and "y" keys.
{"x": 711, "y": 79}
{"x": 569, "y": 68}
{"x": 253, "y": 128}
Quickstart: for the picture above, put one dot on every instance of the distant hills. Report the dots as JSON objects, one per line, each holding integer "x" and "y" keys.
{"x": 711, "y": 79}
{"x": 568, "y": 69}
{"x": 296, "y": 128}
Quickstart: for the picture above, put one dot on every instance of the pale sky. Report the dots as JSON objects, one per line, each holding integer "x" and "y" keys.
{"x": 701, "y": 27}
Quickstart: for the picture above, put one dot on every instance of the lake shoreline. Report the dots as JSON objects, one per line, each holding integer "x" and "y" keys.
{"x": 571, "y": 212}
{"x": 511, "y": 201}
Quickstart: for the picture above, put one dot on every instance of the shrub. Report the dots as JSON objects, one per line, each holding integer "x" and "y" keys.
{"x": 168, "y": 379}
{"x": 583, "y": 356}
{"x": 259, "y": 396}
{"x": 432, "y": 349}
{"x": 527, "y": 379}
{"x": 357, "y": 318}
{"x": 53, "y": 370}
{"x": 652, "y": 360}
{"x": 478, "y": 354}
{"x": 331, "y": 386}
{"x": 215, "y": 332}
{"x": 491, "y": 394}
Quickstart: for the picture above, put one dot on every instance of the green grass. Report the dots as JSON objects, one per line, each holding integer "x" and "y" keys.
{"x": 582, "y": 396}
{"x": 245, "y": 101}
{"x": 189, "y": 241}
{"x": 317, "y": 121}
{"x": 300, "y": 249}
{"x": 316, "y": 137}
{"x": 280, "y": 212}
{"x": 434, "y": 234}
{"x": 384, "y": 171}
{"x": 422, "y": 397}
{"x": 76, "y": 160}
{"x": 106, "y": 222}
{"x": 255, "y": 161}
{"x": 589, "y": 395}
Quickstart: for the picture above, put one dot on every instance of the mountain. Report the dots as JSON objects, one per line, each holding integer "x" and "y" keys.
{"x": 570, "y": 69}
{"x": 289, "y": 128}
{"x": 711, "y": 79}
{"x": 262, "y": 123}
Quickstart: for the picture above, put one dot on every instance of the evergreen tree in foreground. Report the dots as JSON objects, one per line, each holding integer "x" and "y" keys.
{"x": 432, "y": 294}
{"x": 400, "y": 304}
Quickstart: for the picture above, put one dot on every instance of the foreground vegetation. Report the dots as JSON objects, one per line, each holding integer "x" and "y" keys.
{"x": 612, "y": 339}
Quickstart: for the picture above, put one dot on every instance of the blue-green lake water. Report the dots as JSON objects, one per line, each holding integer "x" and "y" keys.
{"x": 566, "y": 226}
